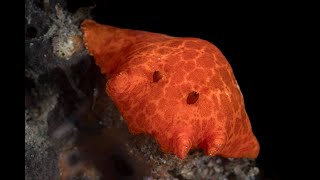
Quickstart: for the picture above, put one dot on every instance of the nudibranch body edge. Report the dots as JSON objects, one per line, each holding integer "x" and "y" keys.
{"x": 180, "y": 90}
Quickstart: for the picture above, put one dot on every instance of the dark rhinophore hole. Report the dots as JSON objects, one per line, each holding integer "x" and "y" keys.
{"x": 74, "y": 158}
{"x": 121, "y": 165}
{"x": 31, "y": 32}
{"x": 192, "y": 97}
{"x": 157, "y": 76}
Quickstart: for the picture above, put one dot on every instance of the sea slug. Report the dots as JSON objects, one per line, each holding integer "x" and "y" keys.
{"x": 180, "y": 90}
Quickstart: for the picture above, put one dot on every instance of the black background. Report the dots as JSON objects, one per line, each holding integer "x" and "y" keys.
{"x": 262, "y": 44}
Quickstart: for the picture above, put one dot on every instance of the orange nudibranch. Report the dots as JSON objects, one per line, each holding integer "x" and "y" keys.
{"x": 180, "y": 90}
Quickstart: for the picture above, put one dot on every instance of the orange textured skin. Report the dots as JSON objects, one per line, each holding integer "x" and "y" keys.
{"x": 214, "y": 120}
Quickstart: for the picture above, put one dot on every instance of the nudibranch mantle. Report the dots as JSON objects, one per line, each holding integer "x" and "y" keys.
{"x": 180, "y": 90}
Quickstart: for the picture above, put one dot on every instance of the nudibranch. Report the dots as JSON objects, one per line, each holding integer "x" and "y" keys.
{"x": 180, "y": 90}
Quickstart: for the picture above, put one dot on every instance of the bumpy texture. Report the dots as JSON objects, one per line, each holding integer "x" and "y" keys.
{"x": 182, "y": 91}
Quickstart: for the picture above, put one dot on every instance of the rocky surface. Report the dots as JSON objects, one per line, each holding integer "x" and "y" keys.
{"x": 72, "y": 128}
